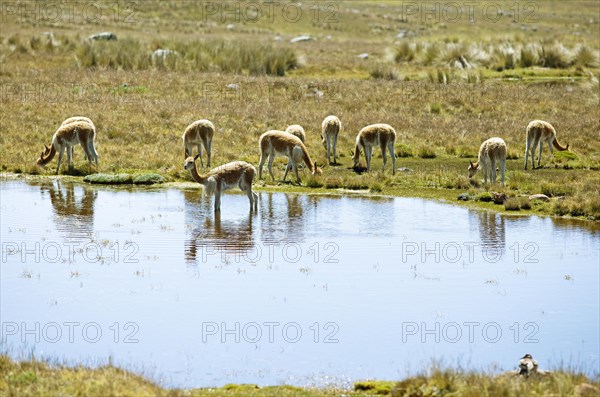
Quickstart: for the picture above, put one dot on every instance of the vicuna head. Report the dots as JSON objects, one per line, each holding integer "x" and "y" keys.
{"x": 355, "y": 157}
{"x": 43, "y": 160}
{"x": 316, "y": 169}
{"x": 472, "y": 169}
{"x": 190, "y": 162}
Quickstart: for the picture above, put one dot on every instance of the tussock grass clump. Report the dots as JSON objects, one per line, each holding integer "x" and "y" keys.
{"x": 403, "y": 150}
{"x": 384, "y": 72}
{"x": 216, "y": 55}
{"x": 552, "y": 189}
{"x": 426, "y": 152}
{"x": 512, "y": 204}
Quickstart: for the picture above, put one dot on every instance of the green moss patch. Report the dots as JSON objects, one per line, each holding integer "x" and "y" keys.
{"x": 109, "y": 179}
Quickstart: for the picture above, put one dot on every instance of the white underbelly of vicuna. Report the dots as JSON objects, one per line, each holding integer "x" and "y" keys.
{"x": 226, "y": 186}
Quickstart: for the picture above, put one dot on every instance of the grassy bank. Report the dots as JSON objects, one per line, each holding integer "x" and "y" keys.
{"x": 28, "y": 378}
{"x": 444, "y": 85}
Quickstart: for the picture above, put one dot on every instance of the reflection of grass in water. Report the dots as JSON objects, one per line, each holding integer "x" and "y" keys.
{"x": 34, "y": 377}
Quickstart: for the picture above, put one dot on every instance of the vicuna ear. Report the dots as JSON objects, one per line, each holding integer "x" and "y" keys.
{"x": 470, "y": 162}
{"x": 47, "y": 148}
{"x": 315, "y": 165}
{"x": 567, "y": 146}
{"x": 196, "y": 157}
{"x": 352, "y": 153}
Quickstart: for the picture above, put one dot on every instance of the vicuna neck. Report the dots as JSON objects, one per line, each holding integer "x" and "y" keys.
{"x": 197, "y": 177}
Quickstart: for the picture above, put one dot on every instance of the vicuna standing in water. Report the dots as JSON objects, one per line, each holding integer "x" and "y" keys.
{"x": 490, "y": 151}
{"x": 226, "y": 176}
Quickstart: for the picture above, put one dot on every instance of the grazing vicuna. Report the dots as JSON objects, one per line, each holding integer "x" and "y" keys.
{"x": 274, "y": 142}
{"x": 540, "y": 132}
{"x": 372, "y": 135}
{"x": 491, "y": 151}
{"x": 79, "y": 118}
{"x": 223, "y": 177}
{"x": 198, "y": 133}
{"x": 330, "y": 128}
{"x": 67, "y": 136}
{"x": 297, "y": 131}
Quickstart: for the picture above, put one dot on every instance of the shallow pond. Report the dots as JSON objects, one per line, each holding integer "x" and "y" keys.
{"x": 310, "y": 290}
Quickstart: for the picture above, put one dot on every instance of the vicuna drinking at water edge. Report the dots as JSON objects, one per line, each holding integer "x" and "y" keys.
{"x": 198, "y": 133}
{"x": 372, "y": 135}
{"x": 540, "y": 132}
{"x": 67, "y": 136}
{"x": 492, "y": 150}
{"x": 274, "y": 142}
{"x": 330, "y": 128}
{"x": 226, "y": 176}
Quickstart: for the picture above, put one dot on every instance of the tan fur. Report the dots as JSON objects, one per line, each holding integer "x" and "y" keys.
{"x": 274, "y": 142}
{"x": 330, "y": 128}
{"x": 67, "y": 136}
{"x": 297, "y": 130}
{"x": 223, "y": 177}
{"x": 490, "y": 151}
{"x": 373, "y": 135}
{"x": 198, "y": 133}
{"x": 540, "y": 132}
{"x": 79, "y": 118}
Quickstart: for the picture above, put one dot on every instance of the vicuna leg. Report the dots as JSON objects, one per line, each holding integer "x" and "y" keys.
{"x": 328, "y": 138}
{"x": 527, "y": 145}
{"x": 368, "y": 152}
{"x": 393, "y": 156}
{"x": 493, "y": 169}
{"x": 270, "y": 164}
{"x": 502, "y": 168}
{"x": 485, "y": 169}
{"x": 218, "y": 199}
{"x": 334, "y": 150}
{"x": 200, "y": 153}
{"x": 60, "y": 156}
{"x": 534, "y": 145}
{"x": 263, "y": 158}
{"x": 69, "y": 155}
{"x": 541, "y": 143}
{"x": 383, "y": 155}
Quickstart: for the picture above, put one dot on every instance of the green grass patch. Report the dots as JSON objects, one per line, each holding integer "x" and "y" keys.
{"x": 109, "y": 179}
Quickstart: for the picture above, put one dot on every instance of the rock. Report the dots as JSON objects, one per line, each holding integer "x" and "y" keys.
{"x": 364, "y": 55}
{"x": 463, "y": 197}
{"x": 299, "y": 39}
{"x": 233, "y": 86}
{"x": 542, "y": 197}
{"x": 230, "y": 26}
{"x": 404, "y": 169}
{"x": 499, "y": 198}
{"x": 108, "y": 36}
{"x": 163, "y": 54}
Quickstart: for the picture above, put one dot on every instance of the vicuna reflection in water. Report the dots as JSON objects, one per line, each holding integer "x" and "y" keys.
{"x": 73, "y": 209}
{"x": 210, "y": 236}
{"x": 282, "y": 217}
{"x": 492, "y": 229}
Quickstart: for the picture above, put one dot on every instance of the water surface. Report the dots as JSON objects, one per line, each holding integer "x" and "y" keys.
{"x": 309, "y": 290}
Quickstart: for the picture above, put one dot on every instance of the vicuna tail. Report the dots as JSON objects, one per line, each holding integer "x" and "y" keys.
{"x": 45, "y": 160}
{"x": 558, "y": 145}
